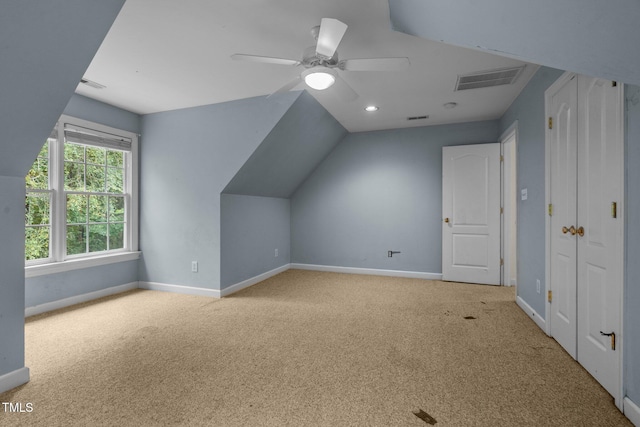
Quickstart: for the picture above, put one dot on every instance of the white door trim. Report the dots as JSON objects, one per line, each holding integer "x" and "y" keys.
{"x": 623, "y": 277}
{"x": 511, "y": 132}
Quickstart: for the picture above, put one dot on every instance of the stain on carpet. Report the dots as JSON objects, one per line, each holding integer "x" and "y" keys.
{"x": 425, "y": 417}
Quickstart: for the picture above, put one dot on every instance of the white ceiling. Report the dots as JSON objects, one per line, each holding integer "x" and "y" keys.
{"x": 164, "y": 55}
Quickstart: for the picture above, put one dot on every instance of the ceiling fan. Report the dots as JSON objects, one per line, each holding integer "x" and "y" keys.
{"x": 321, "y": 62}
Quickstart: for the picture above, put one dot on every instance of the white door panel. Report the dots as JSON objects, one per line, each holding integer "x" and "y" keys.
{"x": 471, "y": 213}
{"x": 563, "y": 145}
{"x": 599, "y": 261}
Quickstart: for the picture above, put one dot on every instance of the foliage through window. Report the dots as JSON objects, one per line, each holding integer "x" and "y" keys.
{"x": 79, "y": 193}
{"x": 38, "y": 207}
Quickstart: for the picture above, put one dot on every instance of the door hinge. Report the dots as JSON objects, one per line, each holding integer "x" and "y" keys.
{"x": 501, "y": 158}
{"x": 501, "y": 261}
{"x": 550, "y": 209}
{"x": 614, "y": 210}
{"x": 501, "y": 210}
{"x": 550, "y": 122}
{"x": 549, "y": 296}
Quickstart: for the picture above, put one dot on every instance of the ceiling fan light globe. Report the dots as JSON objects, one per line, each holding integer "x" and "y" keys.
{"x": 319, "y": 80}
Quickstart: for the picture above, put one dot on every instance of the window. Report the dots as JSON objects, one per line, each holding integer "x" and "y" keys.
{"x": 81, "y": 198}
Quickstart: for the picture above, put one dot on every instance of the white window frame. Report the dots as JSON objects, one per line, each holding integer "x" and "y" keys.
{"x": 59, "y": 261}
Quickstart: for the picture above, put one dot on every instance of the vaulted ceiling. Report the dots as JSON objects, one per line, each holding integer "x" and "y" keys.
{"x": 163, "y": 55}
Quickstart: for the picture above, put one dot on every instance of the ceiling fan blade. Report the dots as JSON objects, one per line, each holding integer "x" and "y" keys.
{"x": 374, "y": 64}
{"x": 343, "y": 90}
{"x": 329, "y": 37}
{"x": 264, "y": 59}
{"x": 287, "y": 87}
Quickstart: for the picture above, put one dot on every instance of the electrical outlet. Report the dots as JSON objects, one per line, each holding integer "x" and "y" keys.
{"x": 194, "y": 266}
{"x": 523, "y": 194}
{"x": 538, "y": 285}
{"x": 276, "y": 252}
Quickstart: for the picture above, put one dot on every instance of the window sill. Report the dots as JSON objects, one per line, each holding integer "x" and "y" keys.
{"x": 77, "y": 264}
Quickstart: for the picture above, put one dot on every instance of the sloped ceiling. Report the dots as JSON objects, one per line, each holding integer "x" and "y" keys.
{"x": 293, "y": 149}
{"x": 595, "y": 38}
{"x": 167, "y": 55}
{"x": 42, "y": 58}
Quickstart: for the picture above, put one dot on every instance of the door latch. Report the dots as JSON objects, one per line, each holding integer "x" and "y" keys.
{"x": 613, "y": 338}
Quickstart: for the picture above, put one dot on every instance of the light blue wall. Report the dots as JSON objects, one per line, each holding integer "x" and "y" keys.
{"x": 49, "y": 288}
{"x": 187, "y": 159}
{"x": 293, "y": 149}
{"x": 560, "y": 34}
{"x": 11, "y": 274}
{"x": 528, "y": 110}
{"x": 85, "y": 108}
{"x": 251, "y": 228}
{"x": 54, "y": 287}
{"x": 41, "y": 64}
{"x": 632, "y": 271}
{"x": 379, "y": 191}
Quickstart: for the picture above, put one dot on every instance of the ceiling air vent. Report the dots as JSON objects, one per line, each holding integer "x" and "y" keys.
{"x": 418, "y": 118}
{"x": 91, "y": 83}
{"x": 504, "y": 76}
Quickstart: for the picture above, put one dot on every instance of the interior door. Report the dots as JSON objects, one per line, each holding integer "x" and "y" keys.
{"x": 563, "y": 197}
{"x": 586, "y": 187}
{"x": 471, "y": 213}
{"x": 600, "y": 181}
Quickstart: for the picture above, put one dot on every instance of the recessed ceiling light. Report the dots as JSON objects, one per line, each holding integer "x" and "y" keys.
{"x": 450, "y": 105}
{"x": 371, "y": 108}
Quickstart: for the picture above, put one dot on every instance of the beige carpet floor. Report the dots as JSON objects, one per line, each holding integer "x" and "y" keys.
{"x": 305, "y": 348}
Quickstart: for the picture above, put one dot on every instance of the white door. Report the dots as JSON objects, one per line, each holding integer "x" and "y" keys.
{"x": 563, "y": 197}
{"x": 586, "y": 187}
{"x": 471, "y": 213}
{"x": 600, "y": 181}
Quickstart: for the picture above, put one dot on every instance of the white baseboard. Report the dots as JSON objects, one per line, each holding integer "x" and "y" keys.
{"x": 66, "y": 302}
{"x": 539, "y": 320}
{"x": 252, "y": 281}
{"x": 631, "y": 411}
{"x": 14, "y": 379}
{"x": 370, "y": 271}
{"x": 179, "y": 289}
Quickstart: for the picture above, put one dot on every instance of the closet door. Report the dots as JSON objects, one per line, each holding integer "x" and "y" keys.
{"x": 563, "y": 197}
{"x": 600, "y": 228}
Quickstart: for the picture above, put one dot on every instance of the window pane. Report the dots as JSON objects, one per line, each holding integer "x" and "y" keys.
{"x": 116, "y": 208}
{"x": 116, "y": 236}
{"x": 73, "y": 176}
{"x": 96, "y": 155}
{"x": 76, "y": 209}
{"x": 37, "y": 209}
{"x": 36, "y": 243}
{"x": 38, "y": 176}
{"x": 114, "y": 180}
{"x": 76, "y": 239}
{"x": 115, "y": 158}
{"x": 96, "y": 178}
{"x": 97, "y": 238}
{"x": 97, "y": 208}
{"x": 73, "y": 152}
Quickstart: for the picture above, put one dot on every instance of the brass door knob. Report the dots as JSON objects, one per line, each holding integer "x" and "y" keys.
{"x": 571, "y": 230}
{"x": 446, "y": 220}
{"x": 580, "y": 231}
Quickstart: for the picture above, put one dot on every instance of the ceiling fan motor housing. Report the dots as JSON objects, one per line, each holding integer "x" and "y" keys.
{"x": 311, "y": 59}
